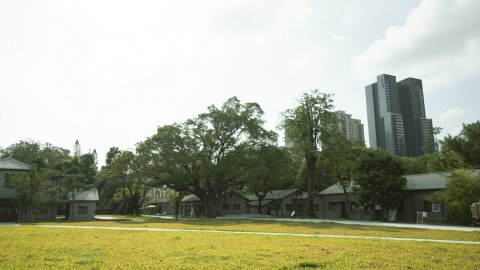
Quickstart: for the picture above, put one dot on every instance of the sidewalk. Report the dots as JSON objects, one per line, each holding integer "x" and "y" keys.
{"x": 384, "y": 224}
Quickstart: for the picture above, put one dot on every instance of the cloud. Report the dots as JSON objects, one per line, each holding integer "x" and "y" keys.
{"x": 453, "y": 114}
{"x": 341, "y": 39}
{"x": 437, "y": 43}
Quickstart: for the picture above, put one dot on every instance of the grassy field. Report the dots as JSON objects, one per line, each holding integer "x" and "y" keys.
{"x": 35, "y": 247}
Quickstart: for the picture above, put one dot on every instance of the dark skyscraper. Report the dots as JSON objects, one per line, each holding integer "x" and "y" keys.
{"x": 396, "y": 116}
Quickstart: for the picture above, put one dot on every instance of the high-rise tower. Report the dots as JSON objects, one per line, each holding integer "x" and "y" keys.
{"x": 396, "y": 116}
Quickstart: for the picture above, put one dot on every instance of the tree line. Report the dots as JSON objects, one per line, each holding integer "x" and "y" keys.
{"x": 228, "y": 148}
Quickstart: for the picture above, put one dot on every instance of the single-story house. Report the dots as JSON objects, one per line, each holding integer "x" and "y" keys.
{"x": 278, "y": 203}
{"x": 81, "y": 207}
{"x": 162, "y": 207}
{"x": 230, "y": 203}
{"x": 413, "y": 207}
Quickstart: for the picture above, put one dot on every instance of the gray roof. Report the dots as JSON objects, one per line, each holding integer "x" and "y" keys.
{"x": 428, "y": 181}
{"x": 334, "y": 189}
{"x": 87, "y": 195}
{"x": 256, "y": 203}
{"x": 12, "y": 164}
{"x": 301, "y": 196}
{"x": 190, "y": 198}
{"x": 273, "y": 195}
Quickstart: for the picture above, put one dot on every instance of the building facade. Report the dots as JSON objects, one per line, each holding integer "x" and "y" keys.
{"x": 352, "y": 128}
{"x": 396, "y": 116}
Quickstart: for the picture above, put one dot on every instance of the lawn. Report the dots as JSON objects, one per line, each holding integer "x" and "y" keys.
{"x": 35, "y": 247}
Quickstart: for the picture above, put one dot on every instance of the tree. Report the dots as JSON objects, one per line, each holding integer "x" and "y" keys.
{"x": 467, "y": 144}
{"x": 127, "y": 170}
{"x": 205, "y": 156}
{"x": 78, "y": 175}
{"x": 379, "y": 180}
{"x": 338, "y": 162}
{"x": 77, "y": 150}
{"x": 105, "y": 183}
{"x": 443, "y": 161}
{"x": 308, "y": 126}
{"x": 415, "y": 165}
{"x": 34, "y": 188}
{"x": 175, "y": 198}
{"x": 270, "y": 168}
{"x": 461, "y": 190}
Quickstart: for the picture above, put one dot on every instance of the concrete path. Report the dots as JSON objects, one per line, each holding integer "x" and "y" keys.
{"x": 8, "y": 224}
{"x": 265, "y": 233}
{"x": 385, "y": 224}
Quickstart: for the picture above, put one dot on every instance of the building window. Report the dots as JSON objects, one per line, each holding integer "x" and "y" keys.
{"x": 315, "y": 207}
{"x": 288, "y": 207}
{"x": 231, "y": 195}
{"x": 332, "y": 206}
{"x": 236, "y": 206}
{"x": 82, "y": 210}
{"x": 354, "y": 208}
{"x": 435, "y": 207}
{"x": 427, "y": 206}
{"x": 225, "y": 206}
{"x": 368, "y": 209}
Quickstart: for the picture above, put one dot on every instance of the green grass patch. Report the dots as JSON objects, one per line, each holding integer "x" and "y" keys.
{"x": 282, "y": 227}
{"x": 35, "y": 247}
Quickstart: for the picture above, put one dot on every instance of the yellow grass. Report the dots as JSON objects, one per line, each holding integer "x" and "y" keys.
{"x": 284, "y": 227}
{"x": 34, "y": 247}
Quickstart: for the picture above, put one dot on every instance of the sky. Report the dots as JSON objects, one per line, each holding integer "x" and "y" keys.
{"x": 108, "y": 73}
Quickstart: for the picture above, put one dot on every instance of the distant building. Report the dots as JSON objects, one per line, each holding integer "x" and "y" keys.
{"x": 353, "y": 128}
{"x": 396, "y": 116}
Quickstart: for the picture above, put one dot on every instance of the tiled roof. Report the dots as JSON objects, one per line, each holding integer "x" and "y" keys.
{"x": 190, "y": 198}
{"x": 428, "y": 181}
{"x": 273, "y": 195}
{"x": 256, "y": 203}
{"x": 87, "y": 195}
{"x": 12, "y": 164}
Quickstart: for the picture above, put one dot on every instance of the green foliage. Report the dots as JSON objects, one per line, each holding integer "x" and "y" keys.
{"x": 269, "y": 168}
{"x": 35, "y": 187}
{"x": 307, "y": 127}
{"x": 126, "y": 176}
{"x": 205, "y": 156}
{"x": 105, "y": 183}
{"x": 443, "y": 161}
{"x": 414, "y": 165}
{"x": 461, "y": 190}
{"x": 78, "y": 175}
{"x": 467, "y": 144}
{"x": 379, "y": 180}
{"x": 338, "y": 163}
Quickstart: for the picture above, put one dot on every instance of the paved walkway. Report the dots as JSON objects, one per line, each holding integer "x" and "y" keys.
{"x": 385, "y": 224}
{"x": 265, "y": 233}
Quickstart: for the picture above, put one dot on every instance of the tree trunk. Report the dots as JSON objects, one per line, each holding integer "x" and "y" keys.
{"x": 310, "y": 186}
{"x": 210, "y": 209}
{"x": 259, "y": 206}
{"x": 347, "y": 202}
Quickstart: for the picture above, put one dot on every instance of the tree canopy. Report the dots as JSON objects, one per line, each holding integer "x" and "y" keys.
{"x": 461, "y": 190}
{"x": 205, "y": 156}
{"x": 467, "y": 144}
{"x": 269, "y": 168}
{"x": 379, "y": 180}
{"x": 35, "y": 187}
{"x": 307, "y": 128}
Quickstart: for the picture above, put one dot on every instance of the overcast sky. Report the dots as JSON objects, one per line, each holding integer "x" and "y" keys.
{"x": 108, "y": 73}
